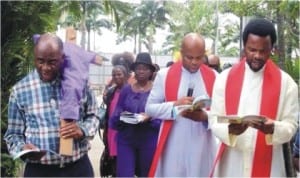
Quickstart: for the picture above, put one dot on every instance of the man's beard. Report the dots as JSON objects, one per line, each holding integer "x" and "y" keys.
{"x": 260, "y": 64}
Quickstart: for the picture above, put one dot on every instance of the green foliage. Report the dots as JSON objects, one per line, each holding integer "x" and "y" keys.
{"x": 272, "y": 10}
{"x": 141, "y": 23}
{"x": 242, "y": 8}
{"x": 292, "y": 67}
{"x": 19, "y": 20}
{"x": 194, "y": 16}
{"x": 227, "y": 38}
{"x": 9, "y": 167}
{"x": 118, "y": 10}
{"x": 84, "y": 16}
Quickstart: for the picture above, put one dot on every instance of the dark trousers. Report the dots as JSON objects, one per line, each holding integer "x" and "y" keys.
{"x": 80, "y": 168}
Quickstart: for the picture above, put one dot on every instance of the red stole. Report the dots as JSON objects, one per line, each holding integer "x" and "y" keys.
{"x": 171, "y": 92}
{"x": 261, "y": 166}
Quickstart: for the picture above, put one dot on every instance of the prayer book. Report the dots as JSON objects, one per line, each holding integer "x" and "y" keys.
{"x": 131, "y": 118}
{"x": 199, "y": 103}
{"x": 36, "y": 153}
{"x": 235, "y": 119}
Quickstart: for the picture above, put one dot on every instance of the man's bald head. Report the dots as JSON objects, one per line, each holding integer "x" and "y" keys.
{"x": 48, "y": 40}
{"x": 193, "y": 40}
{"x": 48, "y": 56}
{"x": 213, "y": 59}
{"x": 192, "y": 51}
{"x": 214, "y": 62}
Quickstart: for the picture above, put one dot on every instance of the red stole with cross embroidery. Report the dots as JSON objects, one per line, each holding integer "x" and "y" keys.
{"x": 261, "y": 166}
{"x": 171, "y": 92}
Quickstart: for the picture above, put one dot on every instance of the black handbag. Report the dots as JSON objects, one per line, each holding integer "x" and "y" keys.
{"x": 107, "y": 164}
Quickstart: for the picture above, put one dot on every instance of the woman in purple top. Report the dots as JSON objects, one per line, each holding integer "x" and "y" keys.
{"x": 136, "y": 143}
{"x": 119, "y": 77}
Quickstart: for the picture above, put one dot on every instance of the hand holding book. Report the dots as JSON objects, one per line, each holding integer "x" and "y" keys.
{"x": 260, "y": 123}
{"x": 238, "y": 125}
{"x": 235, "y": 119}
{"x": 198, "y": 104}
{"x": 32, "y": 152}
{"x": 195, "y": 110}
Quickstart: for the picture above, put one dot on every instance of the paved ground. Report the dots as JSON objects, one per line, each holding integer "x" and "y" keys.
{"x": 95, "y": 153}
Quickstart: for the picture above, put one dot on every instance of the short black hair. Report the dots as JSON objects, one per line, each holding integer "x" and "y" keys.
{"x": 260, "y": 27}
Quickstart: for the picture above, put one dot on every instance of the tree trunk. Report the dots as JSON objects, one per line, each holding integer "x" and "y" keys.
{"x": 139, "y": 43}
{"x": 281, "y": 39}
{"x": 289, "y": 50}
{"x": 94, "y": 40}
{"x": 89, "y": 40}
{"x": 241, "y": 37}
{"x": 83, "y": 34}
{"x": 83, "y": 26}
{"x": 150, "y": 44}
{"x": 134, "y": 47}
{"x": 215, "y": 42}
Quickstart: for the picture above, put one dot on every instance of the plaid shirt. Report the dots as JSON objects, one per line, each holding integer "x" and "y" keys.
{"x": 33, "y": 117}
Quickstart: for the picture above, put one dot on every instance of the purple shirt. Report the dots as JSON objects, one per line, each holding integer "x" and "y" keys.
{"x": 75, "y": 77}
{"x": 136, "y": 143}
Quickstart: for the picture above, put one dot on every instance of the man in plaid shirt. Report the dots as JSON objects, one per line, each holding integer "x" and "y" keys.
{"x": 33, "y": 118}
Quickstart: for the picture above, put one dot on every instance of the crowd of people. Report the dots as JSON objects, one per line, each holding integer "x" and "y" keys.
{"x": 145, "y": 131}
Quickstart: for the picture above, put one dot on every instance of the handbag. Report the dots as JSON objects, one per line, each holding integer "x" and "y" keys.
{"x": 107, "y": 165}
{"x": 102, "y": 113}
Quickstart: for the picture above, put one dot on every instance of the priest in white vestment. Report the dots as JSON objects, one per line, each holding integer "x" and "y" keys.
{"x": 258, "y": 89}
{"x": 187, "y": 147}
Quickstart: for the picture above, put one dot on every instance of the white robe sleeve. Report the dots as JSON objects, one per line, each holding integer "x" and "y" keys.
{"x": 220, "y": 130}
{"x": 156, "y": 106}
{"x": 286, "y": 122}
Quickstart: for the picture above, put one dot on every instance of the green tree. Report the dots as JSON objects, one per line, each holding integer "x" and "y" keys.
{"x": 142, "y": 22}
{"x": 18, "y": 25}
{"x": 194, "y": 16}
{"x": 84, "y": 16}
{"x": 285, "y": 14}
{"x": 78, "y": 15}
{"x": 93, "y": 23}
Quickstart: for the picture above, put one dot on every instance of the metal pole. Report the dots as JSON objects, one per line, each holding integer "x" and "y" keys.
{"x": 217, "y": 29}
{"x": 288, "y": 160}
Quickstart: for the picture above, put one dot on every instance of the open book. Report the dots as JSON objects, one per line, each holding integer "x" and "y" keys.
{"x": 199, "y": 102}
{"x": 131, "y": 118}
{"x": 36, "y": 153}
{"x": 238, "y": 119}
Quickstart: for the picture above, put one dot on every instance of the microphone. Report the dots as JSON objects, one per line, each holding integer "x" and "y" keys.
{"x": 191, "y": 89}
